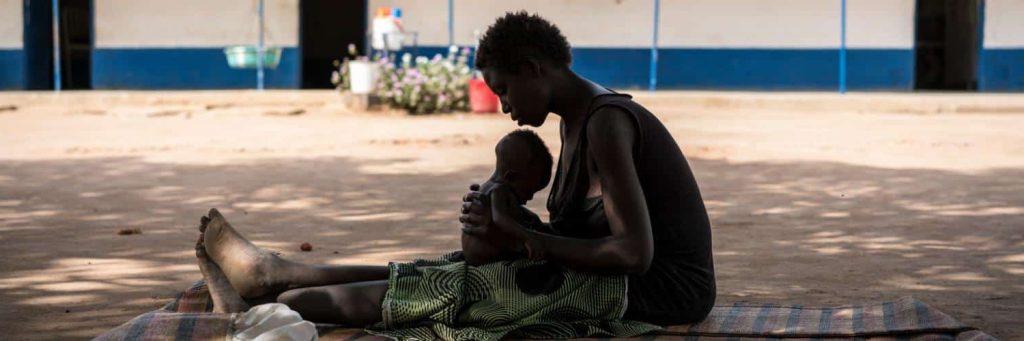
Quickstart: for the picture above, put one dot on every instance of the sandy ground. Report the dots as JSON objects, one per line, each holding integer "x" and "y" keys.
{"x": 816, "y": 199}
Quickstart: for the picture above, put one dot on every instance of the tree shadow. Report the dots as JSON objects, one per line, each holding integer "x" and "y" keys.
{"x": 63, "y": 260}
{"x": 785, "y": 232}
{"x": 833, "y": 233}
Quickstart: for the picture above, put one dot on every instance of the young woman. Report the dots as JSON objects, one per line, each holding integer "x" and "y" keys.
{"x": 629, "y": 237}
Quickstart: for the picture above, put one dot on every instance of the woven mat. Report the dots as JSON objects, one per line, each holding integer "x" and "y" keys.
{"x": 187, "y": 318}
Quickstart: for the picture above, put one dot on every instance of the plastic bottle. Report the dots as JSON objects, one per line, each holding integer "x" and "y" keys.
{"x": 387, "y": 32}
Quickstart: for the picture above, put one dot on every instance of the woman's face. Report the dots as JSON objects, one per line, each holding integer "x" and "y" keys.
{"x": 522, "y": 95}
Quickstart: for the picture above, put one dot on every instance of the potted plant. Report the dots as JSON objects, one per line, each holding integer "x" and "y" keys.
{"x": 357, "y": 78}
{"x": 417, "y": 85}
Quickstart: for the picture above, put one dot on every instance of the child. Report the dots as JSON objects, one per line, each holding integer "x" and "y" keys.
{"x": 523, "y": 168}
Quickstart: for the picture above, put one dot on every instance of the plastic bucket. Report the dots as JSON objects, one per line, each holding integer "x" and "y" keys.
{"x": 481, "y": 99}
{"x": 363, "y": 76}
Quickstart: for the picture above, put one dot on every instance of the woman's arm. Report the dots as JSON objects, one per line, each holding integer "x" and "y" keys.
{"x": 612, "y": 134}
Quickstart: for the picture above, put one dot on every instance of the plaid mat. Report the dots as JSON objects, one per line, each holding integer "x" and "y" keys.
{"x": 904, "y": 319}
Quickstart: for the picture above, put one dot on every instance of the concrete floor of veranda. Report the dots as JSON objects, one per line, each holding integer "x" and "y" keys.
{"x": 816, "y": 199}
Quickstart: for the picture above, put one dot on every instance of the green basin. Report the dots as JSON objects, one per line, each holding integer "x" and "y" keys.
{"x": 244, "y": 57}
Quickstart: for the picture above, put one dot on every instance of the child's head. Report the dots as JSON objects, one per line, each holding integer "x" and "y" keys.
{"x": 520, "y": 56}
{"x": 524, "y": 163}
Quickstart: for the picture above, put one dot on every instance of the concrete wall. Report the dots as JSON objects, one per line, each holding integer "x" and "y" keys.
{"x": 1001, "y": 66}
{"x": 610, "y": 45}
{"x": 785, "y": 44}
{"x": 193, "y": 23}
{"x": 735, "y": 44}
{"x": 618, "y": 23}
{"x": 703, "y": 44}
{"x": 10, "y": 24}
{"x": 11, "y": 54}
{"x": 178, "y": 44}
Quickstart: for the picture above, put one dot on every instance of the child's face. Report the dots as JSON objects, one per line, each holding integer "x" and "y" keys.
{"x": 516, "y": 172}
{"x": 524, "y": 183}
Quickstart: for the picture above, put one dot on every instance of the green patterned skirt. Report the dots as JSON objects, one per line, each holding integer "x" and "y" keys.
{"x": 445, "y": 298}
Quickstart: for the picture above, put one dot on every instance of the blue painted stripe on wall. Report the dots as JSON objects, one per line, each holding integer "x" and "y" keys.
{"x": 12, "y": 69}
{"x": 184, "y": 68}
{"x": 627, "y": 68}
{"x": 880, "y": 69}
{"x": 614, "y": 67}
{"x": 1001, "y": 70}
{"x": 747, "y": 69}
{"x": 741, "y": 69}
{"x": 784, "y": 69}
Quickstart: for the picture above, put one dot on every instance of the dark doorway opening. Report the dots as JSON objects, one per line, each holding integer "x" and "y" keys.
{"x": 38, "y": 37}
{"x": 326, "y": 29}
{"x": 947, "y": 41}
{"x": 75, "y": 42}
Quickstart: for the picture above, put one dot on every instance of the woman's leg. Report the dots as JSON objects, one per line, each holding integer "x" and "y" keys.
{"x": 353, "y": 304}
{"x": 255, "y": 272}
{"x": 356, "y": 304}
{"x": 225, "y": 298}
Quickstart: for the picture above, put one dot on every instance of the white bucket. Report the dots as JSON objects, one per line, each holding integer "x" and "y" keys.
{"x": 363, "y": 76}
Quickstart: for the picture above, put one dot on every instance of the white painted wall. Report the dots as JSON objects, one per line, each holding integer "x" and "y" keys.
{"x": 684, "y": 23}
{"x": 587, "y": 23}
{"x": 11, "y": 24}
{"x": 749, "y": 23}
{"x": 880, "y": 24}
{"x": 1004, "y": 24}
{"x": 785, "y": 23}
{"x": 193, "y": 23}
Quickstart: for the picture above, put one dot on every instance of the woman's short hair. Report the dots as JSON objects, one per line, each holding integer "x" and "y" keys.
{"x": 518, "y": 35}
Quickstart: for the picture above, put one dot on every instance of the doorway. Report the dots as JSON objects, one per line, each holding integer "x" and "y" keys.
{"x": 326, "y": 27}
{"x": 75, "y": 43}
{"x": 947, "y": 41}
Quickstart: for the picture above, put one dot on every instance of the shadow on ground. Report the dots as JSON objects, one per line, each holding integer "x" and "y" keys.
{"x": 786, "y": 232}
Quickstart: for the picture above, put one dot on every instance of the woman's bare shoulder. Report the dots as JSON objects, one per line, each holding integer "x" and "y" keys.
{"x": 611, "y": 128}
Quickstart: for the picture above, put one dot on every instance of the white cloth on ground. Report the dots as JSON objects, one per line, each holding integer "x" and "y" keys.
{"x": 272, "y": 321}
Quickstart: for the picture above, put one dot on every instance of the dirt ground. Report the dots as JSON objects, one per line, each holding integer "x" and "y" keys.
{"x": 816, "y": 199}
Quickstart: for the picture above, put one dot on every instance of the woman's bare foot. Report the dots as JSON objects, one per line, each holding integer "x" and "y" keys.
{"x": 252, "y": 271}
{"x": 225, "y": 298}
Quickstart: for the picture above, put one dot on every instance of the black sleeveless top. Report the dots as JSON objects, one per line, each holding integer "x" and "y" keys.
{"x": 679, "y": 287}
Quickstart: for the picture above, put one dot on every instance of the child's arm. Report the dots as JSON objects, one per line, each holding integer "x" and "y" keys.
{"x": 506, "y": 216}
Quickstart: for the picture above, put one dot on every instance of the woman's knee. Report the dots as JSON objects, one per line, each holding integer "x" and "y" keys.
{"x": 350, "y": 304}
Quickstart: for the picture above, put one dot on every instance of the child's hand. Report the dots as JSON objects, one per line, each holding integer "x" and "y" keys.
{"x": 504, "y": 230}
